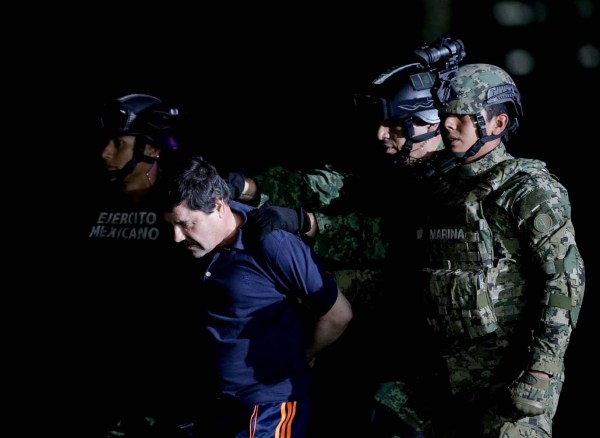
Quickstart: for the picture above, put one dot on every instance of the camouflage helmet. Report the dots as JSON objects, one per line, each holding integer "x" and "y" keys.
{"x": 476, "y": 86}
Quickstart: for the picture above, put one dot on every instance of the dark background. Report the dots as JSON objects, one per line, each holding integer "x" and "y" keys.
{"x": 260, "y": 85}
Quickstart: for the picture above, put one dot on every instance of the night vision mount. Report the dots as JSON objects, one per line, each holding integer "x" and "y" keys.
{"x": 413, "y": 89}
{"x": 444, "y": 54}
{"x": 441, "y": 59}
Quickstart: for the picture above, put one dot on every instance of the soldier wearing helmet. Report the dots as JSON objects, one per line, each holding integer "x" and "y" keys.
{"x": 135, "y": 328}
{"x": 400, "y": 103}
{"x": 139, "y": 128}
{"x": 404, "y": 109}
{"x": 477, "y": 93}
{"x": 503, "y": 278}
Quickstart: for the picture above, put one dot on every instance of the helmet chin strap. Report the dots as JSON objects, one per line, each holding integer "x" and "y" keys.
{"x": 411, "y": 139}
{"x": 118, "y": 176}
{"x": 483, "y": 138}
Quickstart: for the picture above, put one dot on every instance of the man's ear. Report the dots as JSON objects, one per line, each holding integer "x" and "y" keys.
{"x": 220, "y": 206}
{"x": 433, "y": 127}
{"x": 500, "y": 123}
{"x": 151, "y": 151}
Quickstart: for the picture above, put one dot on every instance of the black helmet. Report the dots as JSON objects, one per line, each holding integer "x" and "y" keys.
{"x": 400, "y": 93}
{"x": 145, "y": 117}
{"x": 140, "y": 115}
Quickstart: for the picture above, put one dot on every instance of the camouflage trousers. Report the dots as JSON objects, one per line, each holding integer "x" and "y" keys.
{"x": 497, "y": 419}
{"x": 495, "y": 426}
{"x": 393, "y": 415}
{"x": 462, "y": 420}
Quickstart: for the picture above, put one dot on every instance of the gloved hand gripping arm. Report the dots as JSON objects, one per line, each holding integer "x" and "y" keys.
{"x": 242, "y": 189}
{"x": 263, "y": 220}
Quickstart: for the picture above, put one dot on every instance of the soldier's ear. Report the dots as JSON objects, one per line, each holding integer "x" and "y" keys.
{"x": 500, "y": 123}
{"x": 151, "y": 151}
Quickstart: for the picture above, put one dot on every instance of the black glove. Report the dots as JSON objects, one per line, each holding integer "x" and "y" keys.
{"x": 263, "y": 220}
{"x": 236, "y": 182}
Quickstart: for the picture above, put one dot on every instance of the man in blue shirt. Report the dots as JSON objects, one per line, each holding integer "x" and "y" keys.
{"x": 268, "y": 309}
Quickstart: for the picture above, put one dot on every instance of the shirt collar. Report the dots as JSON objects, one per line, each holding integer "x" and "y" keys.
{"x": 489, "y": 160}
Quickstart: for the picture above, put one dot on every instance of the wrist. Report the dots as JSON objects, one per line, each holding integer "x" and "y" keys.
{"x": 312, "y": 231}
{"x": 250, "y": 194}
{"x": 304, "y": 221}
{"x": 539, "y": 374}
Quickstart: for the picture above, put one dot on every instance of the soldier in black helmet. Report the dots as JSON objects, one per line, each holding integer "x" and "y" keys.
{"x": 137, "y": 330}
{"x": 139, "y": 129}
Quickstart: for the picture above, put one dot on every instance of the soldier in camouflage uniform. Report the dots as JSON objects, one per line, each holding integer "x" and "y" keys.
{"x": 354, "y": 243}
{"x": 504, "y": 280}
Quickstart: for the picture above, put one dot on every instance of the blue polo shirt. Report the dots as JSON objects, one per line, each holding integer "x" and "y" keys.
{"x": 260, "y": 305}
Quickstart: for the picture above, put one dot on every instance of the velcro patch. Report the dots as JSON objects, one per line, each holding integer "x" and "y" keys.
{"x": 543, "y": 222}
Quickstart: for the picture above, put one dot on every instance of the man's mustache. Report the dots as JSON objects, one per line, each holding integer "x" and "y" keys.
{"x": 189, "y": 243}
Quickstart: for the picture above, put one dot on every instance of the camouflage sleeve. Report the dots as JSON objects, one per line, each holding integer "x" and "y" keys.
{"x": 313, "y": 190}
{"x": 354, "y": 236}
{"x": 342, "y": 236}
{"x": 544, "y": 213}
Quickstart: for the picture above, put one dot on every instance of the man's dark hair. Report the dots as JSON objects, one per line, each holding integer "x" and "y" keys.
{"x": 197, "y": 183}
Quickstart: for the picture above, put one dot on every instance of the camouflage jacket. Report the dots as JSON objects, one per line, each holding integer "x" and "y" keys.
{"x": 345, "y": 235}
{"x": 504, "y": 277}
{"x": 350, "y": 242}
